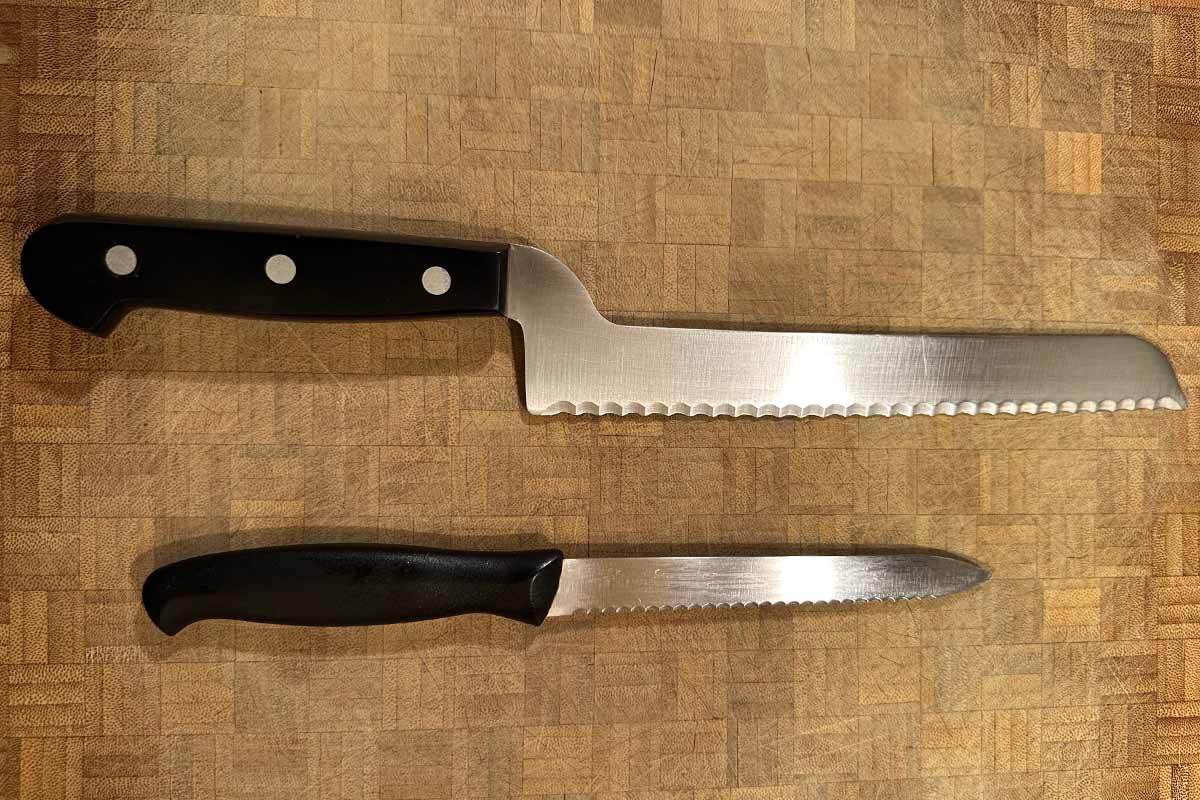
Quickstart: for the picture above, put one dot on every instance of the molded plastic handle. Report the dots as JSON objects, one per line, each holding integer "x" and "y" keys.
{"x": 91, "y": 271}
{"x": 351, "y": 584}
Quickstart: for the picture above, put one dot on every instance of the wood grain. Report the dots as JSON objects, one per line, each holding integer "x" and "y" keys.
{"x": 978, "y": 165}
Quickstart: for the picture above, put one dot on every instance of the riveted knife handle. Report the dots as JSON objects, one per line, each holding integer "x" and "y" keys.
{"x": 351, "y": 584}
{"x": 91, "y": 271}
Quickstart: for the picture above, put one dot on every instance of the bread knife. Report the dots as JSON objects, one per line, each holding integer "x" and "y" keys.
{"x": 91, "y": 271}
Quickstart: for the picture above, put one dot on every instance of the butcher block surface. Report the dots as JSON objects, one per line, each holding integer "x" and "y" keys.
{"x": 948, "y": 165}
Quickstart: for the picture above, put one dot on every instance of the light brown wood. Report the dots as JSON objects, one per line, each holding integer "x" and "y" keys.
{"x": 975, "y": 165}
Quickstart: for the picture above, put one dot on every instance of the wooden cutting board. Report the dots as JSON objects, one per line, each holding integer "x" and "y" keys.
{"x": 830, "y": 164}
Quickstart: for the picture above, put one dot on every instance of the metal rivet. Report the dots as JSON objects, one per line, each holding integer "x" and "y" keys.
{"x": 436, "y": 280}
{"x": 120, "y": 260}
{"x": 281, "y": 268}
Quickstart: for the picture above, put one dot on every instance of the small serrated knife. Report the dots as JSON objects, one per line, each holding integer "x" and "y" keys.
{"x": 371, "y": 584}
{"x": 91, "y": 271}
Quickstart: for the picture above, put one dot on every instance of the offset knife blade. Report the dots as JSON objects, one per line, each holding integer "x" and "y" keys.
{"x": 590, "y": 585}
{"x": 92, "y": 271}
{"x": 369, "y": 584}
{"x": 578, "y": 362}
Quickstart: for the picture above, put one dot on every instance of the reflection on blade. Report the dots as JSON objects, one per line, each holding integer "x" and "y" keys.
{"x": 628, "y": 584}
{"x": 578, "y": 362}
{"x": 618, "y": 369}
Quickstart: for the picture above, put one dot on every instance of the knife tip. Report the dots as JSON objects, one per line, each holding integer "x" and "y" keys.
{"x": 961, "y": 574}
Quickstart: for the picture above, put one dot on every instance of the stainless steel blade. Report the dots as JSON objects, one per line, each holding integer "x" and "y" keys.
{"x": 578, "y": 362}
{"x": 630, "y": 584}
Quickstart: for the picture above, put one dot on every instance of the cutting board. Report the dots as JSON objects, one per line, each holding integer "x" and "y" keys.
{"x": 964, "y": 165}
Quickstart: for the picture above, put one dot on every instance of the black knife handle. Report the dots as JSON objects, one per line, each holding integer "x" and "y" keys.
{"x": 78, "y": 268}
{"x": 351, "y": 584}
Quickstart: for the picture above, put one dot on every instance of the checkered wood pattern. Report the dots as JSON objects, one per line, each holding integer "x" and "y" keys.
{"x": 836, "y": 164}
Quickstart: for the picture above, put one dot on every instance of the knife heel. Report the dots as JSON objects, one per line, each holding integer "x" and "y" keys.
{"x": 352, "y": 584}
{"x": 91, "y": 271}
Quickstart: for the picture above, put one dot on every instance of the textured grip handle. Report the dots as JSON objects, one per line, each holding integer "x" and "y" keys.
{"x": 91, "y": 271}
{"x": 351, "y": 584}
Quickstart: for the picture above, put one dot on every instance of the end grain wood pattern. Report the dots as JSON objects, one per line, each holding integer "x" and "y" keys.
{"x": 837, "y": 164}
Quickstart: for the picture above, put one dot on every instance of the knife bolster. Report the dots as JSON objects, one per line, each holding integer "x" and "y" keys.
{"x": 91, "y": 271}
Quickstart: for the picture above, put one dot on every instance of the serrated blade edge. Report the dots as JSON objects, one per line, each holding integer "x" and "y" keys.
{"x": 622, "y": 370}
{"x": 604, "y": 585}
{"x": 966, "y": 407}
{"x": 578, "y": 362}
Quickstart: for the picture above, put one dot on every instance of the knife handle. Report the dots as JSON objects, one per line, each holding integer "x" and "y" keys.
{"x": 91, "y": 271}
{"x": 351, "y": 584}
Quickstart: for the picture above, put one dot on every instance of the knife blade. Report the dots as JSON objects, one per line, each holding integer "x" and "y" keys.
{"x": 367, "y": 584}
{"x": 91, "y": 271}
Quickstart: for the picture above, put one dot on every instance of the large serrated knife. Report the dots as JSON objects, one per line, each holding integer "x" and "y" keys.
{"x": 91, "y": 271}
{"x": 369, "y": 584}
